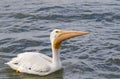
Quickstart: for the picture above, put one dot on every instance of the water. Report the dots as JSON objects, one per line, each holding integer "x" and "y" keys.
{"x": 25, "y": 26}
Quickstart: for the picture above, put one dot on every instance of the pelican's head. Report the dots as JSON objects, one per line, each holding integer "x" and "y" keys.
{"x": 57, "y": 36}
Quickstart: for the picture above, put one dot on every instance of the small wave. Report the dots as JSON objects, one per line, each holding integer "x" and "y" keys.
{"x": 49, "y": 8}
{"x": 117, "y": 17}
{"x": 64, "y": 17}
{"x": 27, "y": 43}
{"x": 6, "y": 40}
{"x": 19, "y": 45}
{"x": 18, "y": 30}
{"x": 21, "y": 15}
{"x": 114, "y": 61}
{"x": 109, "y": 75}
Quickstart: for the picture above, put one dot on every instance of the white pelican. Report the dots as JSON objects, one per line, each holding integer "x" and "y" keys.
{"x": 40, "y": 64}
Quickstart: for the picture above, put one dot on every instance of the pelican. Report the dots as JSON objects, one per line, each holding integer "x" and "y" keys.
{"x": 40, "y": 64}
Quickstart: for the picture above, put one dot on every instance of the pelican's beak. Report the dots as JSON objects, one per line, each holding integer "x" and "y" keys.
{"x": 65, "y": 34}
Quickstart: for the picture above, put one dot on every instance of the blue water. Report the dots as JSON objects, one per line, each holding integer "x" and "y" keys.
{"x": 25, "y": 26}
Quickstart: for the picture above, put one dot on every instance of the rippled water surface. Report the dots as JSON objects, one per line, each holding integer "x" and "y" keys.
{"x": 25, "y": 26}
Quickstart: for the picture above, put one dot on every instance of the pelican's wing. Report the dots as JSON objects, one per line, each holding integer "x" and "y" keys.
{"x": 29, "y": 62}
{"x": 35, "y": 55}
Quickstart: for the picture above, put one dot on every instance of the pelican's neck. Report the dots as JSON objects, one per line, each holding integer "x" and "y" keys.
{"x": 56, "y": 57}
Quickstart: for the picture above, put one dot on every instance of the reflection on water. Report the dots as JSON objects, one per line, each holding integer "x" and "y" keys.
{"x": 25, "y": 26}
{"x": 13, "y": 75}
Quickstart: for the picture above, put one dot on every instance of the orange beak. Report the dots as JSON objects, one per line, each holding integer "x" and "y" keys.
{"x": 65, "y": 34}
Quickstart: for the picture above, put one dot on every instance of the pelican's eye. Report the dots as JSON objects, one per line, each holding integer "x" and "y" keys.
{"x": 56, "y": 31}
{"x": 30, "y": 68}
{"x": 16, "y": 63}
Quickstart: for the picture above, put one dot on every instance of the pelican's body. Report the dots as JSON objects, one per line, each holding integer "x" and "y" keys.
{"x": 40, "y": 64}
{"x": 33, "y": 63}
